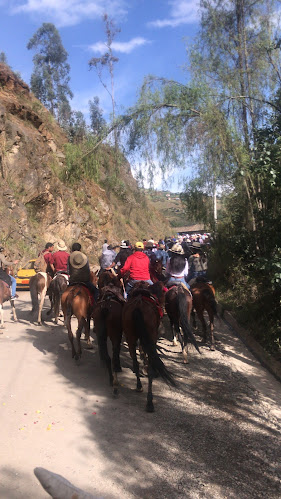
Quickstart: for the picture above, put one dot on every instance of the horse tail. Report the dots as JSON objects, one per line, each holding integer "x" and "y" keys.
{"x": 34, "y": 295}
{"x": 102, "y": 335}
{"x": 150, "y": 349}
{"x": 56, "y": 294}
{"x": 187, "y": 333}
{"x": 209, "y": 297}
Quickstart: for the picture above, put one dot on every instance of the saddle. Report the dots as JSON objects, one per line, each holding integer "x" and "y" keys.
{"x": 147, "y": 296}
{"x": 111, "y": 293}
{"x": 90, "y": 294}
{"x": 176, "y": 285}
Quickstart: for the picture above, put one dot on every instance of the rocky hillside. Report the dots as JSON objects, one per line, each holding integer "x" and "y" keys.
{"x": 37, "y": 205}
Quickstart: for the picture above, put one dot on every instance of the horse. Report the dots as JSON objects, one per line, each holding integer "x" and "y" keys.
{"x": 141, "y": 320}
{"x": 38, "y": 285}
{"x": 156, "y": 271}
{"x": 56, "y": 288}
{"x": 204, "y": 299}
{"x": 178, "y": 304}
{"x": 109, "y": 277}
{"x": 107, "y": 316}
{"x": 78, "y": 300}
{"x": 5, "y": 295}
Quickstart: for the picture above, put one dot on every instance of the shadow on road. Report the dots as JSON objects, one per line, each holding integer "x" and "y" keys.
{"x": 208, "y": 438}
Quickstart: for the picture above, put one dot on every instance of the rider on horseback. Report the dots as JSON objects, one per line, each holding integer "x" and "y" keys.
{"x": 177, "y": 266}
{"x": 197, "y": 264}
{"x": 79, "y": 270}
{"x": 8, "y": 279}
{"x": 137, "y": 265}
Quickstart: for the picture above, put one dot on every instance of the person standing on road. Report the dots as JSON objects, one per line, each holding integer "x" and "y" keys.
{"x": 9, "y": 279}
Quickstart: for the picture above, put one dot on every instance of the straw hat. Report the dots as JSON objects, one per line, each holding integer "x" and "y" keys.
{"x": 196, "y": 245}
{"x": 78, "y": 260}
{"x": 61, "y": 245}
{"x": 177, "y": 248}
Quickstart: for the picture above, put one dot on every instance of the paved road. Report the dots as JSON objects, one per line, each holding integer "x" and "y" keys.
{"x": 216, "y": 436}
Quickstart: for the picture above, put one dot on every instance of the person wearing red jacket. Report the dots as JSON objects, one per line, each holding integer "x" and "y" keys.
{"x": 137, "y": 265}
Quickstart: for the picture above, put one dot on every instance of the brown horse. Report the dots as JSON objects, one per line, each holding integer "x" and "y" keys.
{"x": 204, "y": 299}
{"x": 141, "y": 320}
{"x": 38, "y": 285}
{"x": 107, "y": 317}
{"x": 78, "y": 300}
{"x": 5, "y": 295}
{"x": 156, "y": 272}
{"x": 109, "y": 277}
{"x": 178, "y": 304}
{"x": 56, "y": 288}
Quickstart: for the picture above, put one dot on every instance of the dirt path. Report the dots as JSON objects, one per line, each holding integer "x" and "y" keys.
{"x": 217, "y": 436}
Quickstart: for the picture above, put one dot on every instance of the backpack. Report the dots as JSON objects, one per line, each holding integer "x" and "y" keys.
{"x": 40, "y": 264}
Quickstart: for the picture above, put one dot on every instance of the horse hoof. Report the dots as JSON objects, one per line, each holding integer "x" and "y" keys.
{"x": 149, "y": 408}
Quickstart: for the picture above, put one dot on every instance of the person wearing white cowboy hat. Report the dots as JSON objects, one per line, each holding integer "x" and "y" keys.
{"x": 123, "y": 254}
{"x": 59, "y": 259}
{"x": 177, "y": 266}
{"x": 79, "y": 271}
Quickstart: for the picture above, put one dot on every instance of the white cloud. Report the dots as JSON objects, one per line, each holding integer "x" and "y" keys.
{"x": 70, "y": 12}
{"x": 182, "y": 12}
{"x": 123, "y": 47}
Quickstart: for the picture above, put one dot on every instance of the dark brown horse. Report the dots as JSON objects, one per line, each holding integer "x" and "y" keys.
{"x": 5, "y": 295}
{"x": 56, "y": 288}
{"x": 38, "y": 286}
{"x": 109, "y": 277}
{"x": 204, "y": 299}
{"x": 107, "y": 317}
{"x": 141, "y": 320}
{"x": 78, "y": 300}
{"x": 156, "y": 272}
{"x": 178, "y": 303}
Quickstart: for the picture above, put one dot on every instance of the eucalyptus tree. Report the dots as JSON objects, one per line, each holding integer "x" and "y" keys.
{"x": 107, "y": 60}
{"x": 97, "y": 121}
{"x": 50, "y": 77}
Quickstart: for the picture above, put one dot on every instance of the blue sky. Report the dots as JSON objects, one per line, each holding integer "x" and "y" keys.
{"x": 152, "y": 40}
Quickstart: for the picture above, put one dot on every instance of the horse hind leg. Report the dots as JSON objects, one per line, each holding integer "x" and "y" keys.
{"x": 14, "y": 310}
{"x": 136, "y": 367}
{"x": 1, "y": 317}
{"x": 42, "y": 298}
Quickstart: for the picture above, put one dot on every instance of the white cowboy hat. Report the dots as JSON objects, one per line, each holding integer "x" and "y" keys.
{"x": 61, "y": 245}
{"x": 123, "y": 244}
{"x": 78, "y": 260}
{"x": 177, "y": 248}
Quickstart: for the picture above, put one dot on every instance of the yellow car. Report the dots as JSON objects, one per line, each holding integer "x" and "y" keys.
{"x": 23, "y": 275}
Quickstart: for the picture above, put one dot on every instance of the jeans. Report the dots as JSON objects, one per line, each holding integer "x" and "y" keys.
{"x": 175, "y": 280}
{"x": 131, "y": 283}
{"x": 14, "y": 286}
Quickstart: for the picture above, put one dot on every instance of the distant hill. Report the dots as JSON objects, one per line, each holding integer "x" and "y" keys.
{"x": 169, "y": 204}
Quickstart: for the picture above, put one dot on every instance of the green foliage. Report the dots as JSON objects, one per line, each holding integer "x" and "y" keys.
{"x": 50, "y": 77}
{"x": 97, "y": 122}
{"x": 79, "y": 164}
